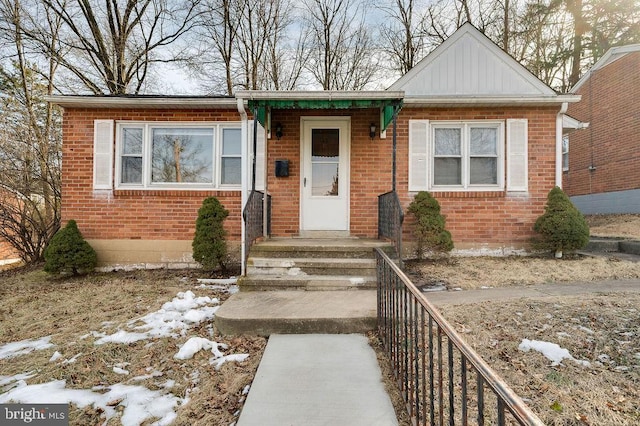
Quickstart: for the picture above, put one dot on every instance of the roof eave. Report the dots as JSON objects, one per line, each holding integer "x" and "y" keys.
{"x": 446, "y": 101}
{"x": 319, "y": 95}
{"x": 155, "y": 102}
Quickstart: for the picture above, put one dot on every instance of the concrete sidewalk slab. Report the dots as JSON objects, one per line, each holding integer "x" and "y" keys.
{"x": 320, "y": 379}
{"x": 532, "y": 292}
{"x": 298, "y": 312}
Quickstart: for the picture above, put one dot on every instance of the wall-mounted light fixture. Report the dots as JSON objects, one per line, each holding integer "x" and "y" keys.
{"x": 372, "y": 131}
{"x": 278, "y": 131}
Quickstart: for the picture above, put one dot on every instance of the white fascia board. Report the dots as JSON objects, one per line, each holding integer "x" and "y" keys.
{"x": 295, "y": 95}
{"x": 610, "y": 56}
{"x": 156, "y": 102}
{"x": 488, "y": 100}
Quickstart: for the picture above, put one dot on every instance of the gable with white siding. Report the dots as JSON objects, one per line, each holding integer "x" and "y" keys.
{"x": 468, "y": 64}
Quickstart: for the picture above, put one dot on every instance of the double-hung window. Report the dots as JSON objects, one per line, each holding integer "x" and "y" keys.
{"x": 456, "y": 155}
{"x": 184, "y": 155}
{"x": 466, "y": 155}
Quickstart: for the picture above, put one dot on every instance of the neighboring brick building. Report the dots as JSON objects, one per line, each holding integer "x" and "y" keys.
{"x": 603, "y": 173}
{"x": 8, "y": 254}
{"x": 473, "y": 127}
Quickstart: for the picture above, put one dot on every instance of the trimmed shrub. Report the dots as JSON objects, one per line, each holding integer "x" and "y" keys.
{"x": 69, "y": 253}
{"x": 430, "y": 232}
{"x": 561, "y": 227}
{"x": 209, "y": 244}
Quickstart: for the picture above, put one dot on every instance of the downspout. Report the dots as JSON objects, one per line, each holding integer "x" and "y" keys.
{"x": 244, "y": 126}
{"x": 563, "y": 110}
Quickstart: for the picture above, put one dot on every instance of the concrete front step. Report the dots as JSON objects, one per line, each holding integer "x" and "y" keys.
{"x": 297, "y": 312}
{"x": 353, "y": 248}
{"x": 310, "y": 266}
{"x": 306, "y": 282}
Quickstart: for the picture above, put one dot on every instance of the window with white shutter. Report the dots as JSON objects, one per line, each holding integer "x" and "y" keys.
{"x": 103, "y": 154}
{"x": 418, "y": 149}
{"x": 456, "y": 155}
{"x": 517, "y": 161}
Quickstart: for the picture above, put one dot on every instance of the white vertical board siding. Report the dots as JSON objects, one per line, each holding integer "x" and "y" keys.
{"x": 103, "y": 154}
{"x": 517, "y": 155}
{"x": 418, "y": 155}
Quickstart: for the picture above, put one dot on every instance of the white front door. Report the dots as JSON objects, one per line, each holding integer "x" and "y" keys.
{"x": 325, "y": 174}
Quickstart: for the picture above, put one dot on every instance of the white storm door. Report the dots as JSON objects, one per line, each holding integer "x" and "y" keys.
{"x": 325, "y": 174}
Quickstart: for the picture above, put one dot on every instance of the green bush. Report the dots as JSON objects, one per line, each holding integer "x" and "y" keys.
{"x": 430, "y": 232}
{"x": 561, "y": 227}
{"x": 209, "y": 244}
{"x": 69, "y": 253}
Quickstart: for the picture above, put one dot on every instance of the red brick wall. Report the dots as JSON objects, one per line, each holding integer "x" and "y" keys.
{"x": 133, "y": 214}
{"x": 612, "y": 141}
{"x": 7, "y": 251}
{"x": 473, "y": 218}
{"x": 492, "y": 218}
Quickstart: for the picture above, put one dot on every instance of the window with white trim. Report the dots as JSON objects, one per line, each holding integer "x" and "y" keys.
{"x": 456, "y": 156}
{"x": 184, "y": 155}
{"x": 565, "y": 153}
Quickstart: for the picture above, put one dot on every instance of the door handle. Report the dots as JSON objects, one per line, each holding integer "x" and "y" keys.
{"x": 304, "y": 182}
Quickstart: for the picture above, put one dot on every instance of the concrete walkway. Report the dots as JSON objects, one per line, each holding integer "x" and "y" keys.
{"x": 532, "y": 292}
{"x": 318, "y": 379}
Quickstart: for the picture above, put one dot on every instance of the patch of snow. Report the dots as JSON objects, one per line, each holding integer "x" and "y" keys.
{"x": 140, "y": 404}
{"x": 169, "y": 384}
{"x": 457, "y": 289}
{"x": 246, "y": 389}
{"x": 56, "y": 356}
{"x": 14, "y": 349}
{"x": 172, "y": 320}
{"x": 485, "y": 287}
{"x": 72, "y": 360}
{"x": 552, "y": 351}
{"x": 9, "y": 382}
{"x": 218, "y": 362}
{"x": 119, "y": 370}
{"x": 562, "y": 334}
{"x": 294, "y": 272}
{"x": 196, "y": 344}
{"x": 356, "y": 280}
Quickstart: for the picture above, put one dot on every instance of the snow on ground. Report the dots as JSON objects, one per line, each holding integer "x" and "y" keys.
{"x": 552, "y": 351}
{"x": 174, "y": 320}
{"x": 139, "y": 402}
{"x": 22, "y": 347}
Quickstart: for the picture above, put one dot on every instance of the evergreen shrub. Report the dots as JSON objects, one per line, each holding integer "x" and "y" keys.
{"x": 561, "y": 227}
{"x": 430, "y": 232}
{"x": 209, "y": 244}
{"x": 69, "y": 253}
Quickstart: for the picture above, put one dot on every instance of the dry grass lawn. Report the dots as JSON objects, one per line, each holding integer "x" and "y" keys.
{"x": 602, "y": 329}
{"x": 33, "y": 305}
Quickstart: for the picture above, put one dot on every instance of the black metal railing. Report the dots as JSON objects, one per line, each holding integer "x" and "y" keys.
{"x": 390, "y": 218}
{"x": 442, "y": 379}
{"x": 254, "y": 219}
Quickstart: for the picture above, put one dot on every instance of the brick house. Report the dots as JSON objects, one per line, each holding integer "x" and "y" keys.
{"x": 602, "y": 162}
{"x": 468, "y": 123}
{"x": 8, "y": 254}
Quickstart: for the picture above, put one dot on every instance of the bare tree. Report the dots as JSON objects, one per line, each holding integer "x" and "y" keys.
{"x": 30, "y": 138}
{"x": 402, "y": 36}
{"x": 110, "y": 45}
{"x": 217, "y": 32}
{"x": 341, "y": 44}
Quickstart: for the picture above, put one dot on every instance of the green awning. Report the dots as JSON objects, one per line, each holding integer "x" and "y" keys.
{"x": 386, "y": 106}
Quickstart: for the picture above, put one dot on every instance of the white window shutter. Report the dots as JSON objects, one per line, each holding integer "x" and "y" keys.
{"x": 418, "y": 159}
{"x": 517, "y": 157}
{"x": 260, "y": 160}
{"x": 102, "y": 154}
